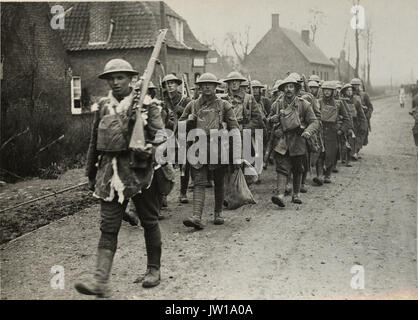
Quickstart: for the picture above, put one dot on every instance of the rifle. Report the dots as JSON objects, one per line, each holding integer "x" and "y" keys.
{"x": 186, "y": 89}
{"x": 305, "y": 83}
{"x": 137, "y": 142}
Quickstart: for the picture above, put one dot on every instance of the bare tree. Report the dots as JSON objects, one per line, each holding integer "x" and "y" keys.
{"x": 368, "y": 41}
{"x": 240, "y": 43}
{"x": 316, "y": 20}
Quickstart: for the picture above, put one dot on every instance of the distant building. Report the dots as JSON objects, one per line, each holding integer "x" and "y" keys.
{"x": 284, "y": 50}
{"x": 218, "y": 65}
{"x": 343, "y": 69}
{"x": 96, "y": 32}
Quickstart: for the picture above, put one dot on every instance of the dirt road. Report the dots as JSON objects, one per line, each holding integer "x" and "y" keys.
{"x": 367, "y": 217}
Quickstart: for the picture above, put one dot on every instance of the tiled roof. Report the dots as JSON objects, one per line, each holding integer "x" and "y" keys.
{"x": 136, "y": 26}
{"x": 311, "y": 52}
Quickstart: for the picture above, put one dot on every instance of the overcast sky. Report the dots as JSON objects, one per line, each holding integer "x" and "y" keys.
{"x": 394, "y": 25}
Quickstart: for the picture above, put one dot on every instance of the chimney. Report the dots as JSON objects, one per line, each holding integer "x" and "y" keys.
{"x": 99, "y": 22}
{"x": 275, "y": 21}
{"x": 305, "y": 36}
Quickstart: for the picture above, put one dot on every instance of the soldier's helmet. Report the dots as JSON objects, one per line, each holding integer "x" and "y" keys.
{"x": 137, "y": 86}
{"x": 296, "y": 76}
{"x": 345, "y": 87}
{"x": 208, "y": 78}
{"x": 356, "y": 81}
{"x": 171, "y": 77}
{"x": 313, "y": 84}
{"x": 244, "y": 84}
{"x": 338, "y": 84}
{"x": 151, "y": 85}
{"x": 289, "y": 79}
{"x": 276, "y": 86}
{"x": 256, "y": 84}
{"x": 233, "y": 76}
{"x": 329, "y": 85}
{"x": 117, "y": 65}
{"x": 314, "y": 77}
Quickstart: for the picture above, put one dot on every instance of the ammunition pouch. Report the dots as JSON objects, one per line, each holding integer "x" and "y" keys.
{"x": 112, "y": 133}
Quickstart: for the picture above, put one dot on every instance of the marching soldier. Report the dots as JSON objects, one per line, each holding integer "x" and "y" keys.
{"x": 175, "y": 103}
{"x": 209, "y": 112}
{"x": 114, "y": 181}
{"x": 331, "y": 109}
{"x": 243, "y": 104}
{"x": 367, "y": 105}
{"x": 294, "y": 122}
{"x": 359, "y": 121}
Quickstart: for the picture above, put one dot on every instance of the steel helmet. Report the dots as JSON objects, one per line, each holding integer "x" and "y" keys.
{"x": 288, "y": 80}
{"x": 338, "y": 84}
{"x": 256, "y": 84}
{"x": 296, "y": 76}
{"x": 276, "y": 86}
{"x": 244, "y": 84}
{"x": 347, "y": 86}
{"x": 356, "y": 81}
{"x": 313, "y": 84}
{"x": 171, "y": 77}
{"x": 117, "y": 65}
{"x": 329, "y": 85}
{"x": 151, "y": 85}
{"x": 234, "y": 75}
{"x": 314, "y": 77}
{"x": 207, "y": 78}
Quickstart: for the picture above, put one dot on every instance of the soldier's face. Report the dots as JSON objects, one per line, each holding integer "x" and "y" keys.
{"x": 290, "y": 90}
{"x": 256, "y": 91}
{"x": 119, "y": 83}
{"x": 314, "y": 90}
{"x": 349, "y": 92}
{"x": 172, "y": 86}
{"x": 327, "y": 92}
{"x": 356, "y": 87}
{"x": 234, "y": 85}
{"x": 208, "y": 89}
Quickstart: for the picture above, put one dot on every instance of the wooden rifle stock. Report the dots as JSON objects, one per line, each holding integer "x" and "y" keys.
{"x": 137, "y": 141}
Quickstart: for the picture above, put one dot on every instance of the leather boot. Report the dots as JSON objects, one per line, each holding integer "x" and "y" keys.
{"x": 99, "y": 286}
{"x": 152, "y": 277}
{"x": 194, "y": 222}
{"x": 296, "y": 188}
{"x": 183, "y": 198}
{"x": 278, "y": 198}
{"x": 327, "y": 177}
{"x": 318, "y": 180}
{"x": 219, "y": 220}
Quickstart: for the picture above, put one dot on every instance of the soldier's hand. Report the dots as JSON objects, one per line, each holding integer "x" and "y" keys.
{"x": 339, "y": 132}
{"x": 275, "y": 119}
{"x": 306, "y": 135}
{"x": 92, "y": 183}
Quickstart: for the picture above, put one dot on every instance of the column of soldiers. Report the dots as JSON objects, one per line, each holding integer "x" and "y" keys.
{"x": 307, "y": 125}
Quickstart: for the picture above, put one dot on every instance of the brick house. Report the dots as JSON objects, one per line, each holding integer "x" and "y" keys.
{"x": 96, "y": 32}
{"x": 35, "y": 85}
{"x": 343, "y": 70}
{"x": 284, "y": 50}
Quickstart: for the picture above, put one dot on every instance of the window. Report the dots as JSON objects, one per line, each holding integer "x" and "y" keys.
{"x": 198, "y": 62}
{"x": 76, "y": 105}
{"x": 176, "y": 26}
{"x": 321, "y": 74}
{"x": 313, "y": 71}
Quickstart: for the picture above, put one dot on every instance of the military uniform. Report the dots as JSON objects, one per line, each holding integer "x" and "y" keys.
{"x": 117, "y": 181}
{"x": 291, "y": 118}
{"x": 331, "y": 111}
{"x": 213, "y": 113}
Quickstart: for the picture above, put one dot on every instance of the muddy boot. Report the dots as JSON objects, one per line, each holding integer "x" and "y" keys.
{"x": 194, "y": 222}
{"x": 218, "y": 220}
{"x": 335, "y": 169}
{"x": 296, "y": 199}
{"x": 297, "y": 178}
{"x": 327, "y": 176}
{"x": 152, "y": 277}
{"x": 278, "y": 198}
{"x": 183, "y": 198}
{"x": 99, "y": 286}
{"x": 303, "y": 188}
